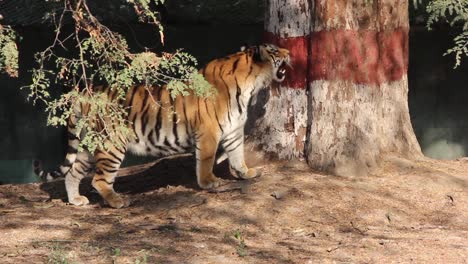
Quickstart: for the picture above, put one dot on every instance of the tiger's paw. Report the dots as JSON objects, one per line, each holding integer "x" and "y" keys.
{"x": 249, "y": 174}
{"x": 79, "y": 200}
{"x": 252, "y": 173}
{"x": 117, "y": 201}
{"x": 210, "y": 182}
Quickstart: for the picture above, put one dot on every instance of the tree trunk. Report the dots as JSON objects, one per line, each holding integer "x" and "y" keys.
{"x": 282, "y": 129}
{"x": 359, "y": 87}
{"x": 353, "y": 56}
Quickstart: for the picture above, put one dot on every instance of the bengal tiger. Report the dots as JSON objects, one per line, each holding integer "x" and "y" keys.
{"x": 201, "y": 124}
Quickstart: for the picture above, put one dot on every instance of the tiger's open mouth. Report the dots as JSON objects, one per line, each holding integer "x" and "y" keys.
{"x": 281, "y": 73}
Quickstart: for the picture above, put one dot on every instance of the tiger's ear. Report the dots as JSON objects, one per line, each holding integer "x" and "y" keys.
{"x": 261, "y": 53}
{"x": 257, "y": 54}
{"x": 246, "y": 46}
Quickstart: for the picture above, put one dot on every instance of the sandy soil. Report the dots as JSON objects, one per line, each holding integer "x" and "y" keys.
{"x": 407, "y": 212}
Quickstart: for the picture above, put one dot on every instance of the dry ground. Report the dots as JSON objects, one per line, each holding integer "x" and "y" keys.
{"x": 409, "y": 212}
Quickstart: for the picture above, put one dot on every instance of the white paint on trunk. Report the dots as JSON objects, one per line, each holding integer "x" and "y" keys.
{"x": 282, "y": 130}
{"x": 290, "y": 18}
{"x": 353, "y": 125}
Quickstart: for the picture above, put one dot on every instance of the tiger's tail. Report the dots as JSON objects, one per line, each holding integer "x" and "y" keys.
{"x": 70, "y": 158}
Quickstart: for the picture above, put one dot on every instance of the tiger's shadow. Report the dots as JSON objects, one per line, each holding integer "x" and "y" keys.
{"x": 143, "y": 178}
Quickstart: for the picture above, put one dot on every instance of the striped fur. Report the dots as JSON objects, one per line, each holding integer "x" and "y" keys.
{"x": 180, "y": 125}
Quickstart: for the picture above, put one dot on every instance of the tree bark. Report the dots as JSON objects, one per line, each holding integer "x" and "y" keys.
{"x": 282, "y": 130}
{"x": 344, "y": 105}
{"x": 359, "y": 87}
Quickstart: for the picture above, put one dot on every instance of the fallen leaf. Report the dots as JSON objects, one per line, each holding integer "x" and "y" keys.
{"x": 43, "y": 206}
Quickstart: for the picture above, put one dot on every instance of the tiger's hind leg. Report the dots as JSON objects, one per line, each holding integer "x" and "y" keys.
{"x": 81, "y": 168}
{"x": 206, "y": 146}
{"x": 234, "y": 148}
{"x": 107, "y": 166}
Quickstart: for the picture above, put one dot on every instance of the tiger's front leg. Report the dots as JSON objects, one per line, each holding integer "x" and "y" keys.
{"x": 107, "y": 166}
{"x": 80, "y": 168}
{"x": 206, "y": 146}
{"x": 234, "y": 148}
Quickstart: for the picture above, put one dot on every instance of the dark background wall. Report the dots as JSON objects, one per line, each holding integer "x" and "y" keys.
{"x": 438, "y": 97}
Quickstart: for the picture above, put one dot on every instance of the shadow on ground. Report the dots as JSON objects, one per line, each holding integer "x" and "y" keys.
{"x": 289, "y": 215}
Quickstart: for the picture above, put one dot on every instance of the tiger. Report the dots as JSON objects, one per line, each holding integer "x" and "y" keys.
{"x": 201, "y": 125}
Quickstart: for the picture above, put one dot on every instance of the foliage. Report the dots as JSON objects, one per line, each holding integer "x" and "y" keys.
{"x": 239, "y": 239}
{"x": 143, "y": 258}
{"x": 94, "y": 55}
{"x": 241, "y": 247}
{"x": 115, "y": 253}
{"x": 8, "y": 51}
{"x": 58, "y": 255}
{"x": 454, "y": 12}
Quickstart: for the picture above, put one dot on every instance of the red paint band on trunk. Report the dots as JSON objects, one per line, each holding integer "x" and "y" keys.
{"x": 362, "y": 57}
{"x": 296, "y": 76}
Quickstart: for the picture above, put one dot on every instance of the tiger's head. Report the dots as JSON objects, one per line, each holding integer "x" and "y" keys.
{"x": 275, "y": 59}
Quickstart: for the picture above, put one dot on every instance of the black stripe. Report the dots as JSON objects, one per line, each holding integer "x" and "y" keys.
{"x": 199, "y": 109}
{"x": 168, "y": 145}
{"x": 238, "y": 93}
{"x": 56, "y": 174}
{"x": 229, "y": 141}
{"x": 158, "y": 123}
{"x": 151, "y": 137}
{"x": 188, "y": 147}
{"x": 144, "y": 116}
{"x": 252, "y": 92}
{"x": 71, "y": 136}
{"x": 82, "y": 172}
{"x": 107, "y": 159}
{"x": 206, "y": 107}
{"x": 83, "y": 162}
{"x": 158, "y": 116}
{"x": 174, "y": 127}
{"x": 134, "y": 126}
{"x": 234, "y": 66}
{"x": 110, "y": 170}
{"x": 198, "y": 136}
{"x": 75, "y": 176}
{"x": 144, "y": 121}
{"x": 217, "y": 119}
{"x": 186, "y": 121}
{"x": 121, "y": 151}
{"x": 250, "y": 71}
{"x": 104, "y": 180}
{"x": 234, "y": 148}
{"x": 115, "y": 156}
{"x": 67, "y": 163}
{"x": 71, "y": 149}
{"x": 107, "y": 166}
{"x": 233, "y": 132}
{"x": 220, "y": 72}
{"x": 229, "y": 98}
{"x": 214, "y": 72}
{"x": 135, "y": 89}
{"x": 158, "y": 148}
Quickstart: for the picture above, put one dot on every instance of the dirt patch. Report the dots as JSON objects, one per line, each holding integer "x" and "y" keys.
{"x": 408, "y": 212}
